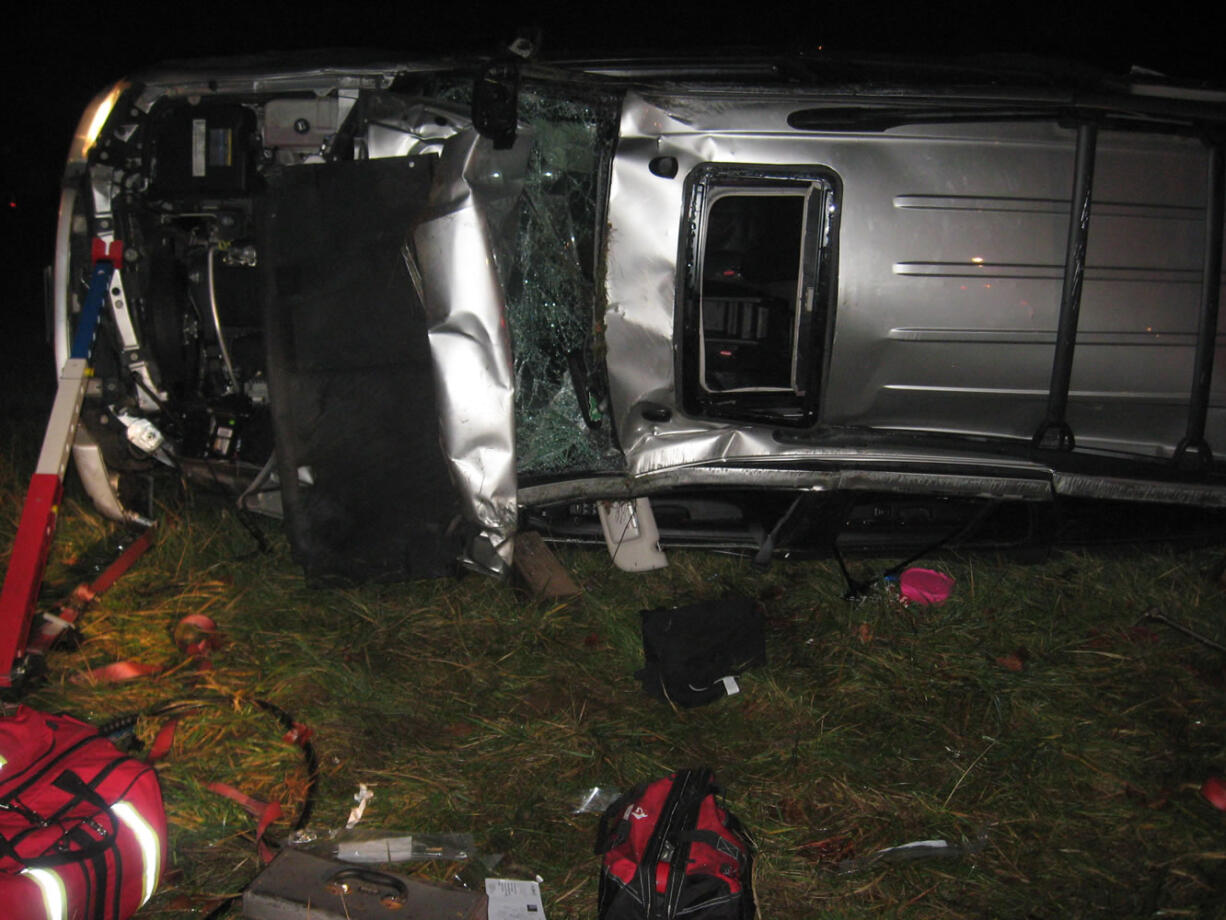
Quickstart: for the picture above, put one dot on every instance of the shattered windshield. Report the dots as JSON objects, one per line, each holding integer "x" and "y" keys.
{"x": 554, "y": 303}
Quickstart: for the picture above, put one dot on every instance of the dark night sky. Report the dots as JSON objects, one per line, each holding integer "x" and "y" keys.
{"x": 62, "y": 56}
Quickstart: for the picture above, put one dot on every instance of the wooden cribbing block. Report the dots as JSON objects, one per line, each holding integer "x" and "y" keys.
{"x": 538, "y": 571}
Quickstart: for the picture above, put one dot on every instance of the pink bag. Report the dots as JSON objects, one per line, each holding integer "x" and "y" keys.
{"x": 925, "y": 587}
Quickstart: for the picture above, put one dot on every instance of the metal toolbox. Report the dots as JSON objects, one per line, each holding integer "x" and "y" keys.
{"x": 297, "y": 886}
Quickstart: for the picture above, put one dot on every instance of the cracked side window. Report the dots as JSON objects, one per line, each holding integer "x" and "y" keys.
{"x": 756, "y": 292}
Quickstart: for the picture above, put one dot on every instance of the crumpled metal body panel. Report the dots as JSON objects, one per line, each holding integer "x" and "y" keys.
{"x": 934, "y": 326}
{"x": 641, "y": 281}
{"x": 403, "y": 127}
{"x": 451, "y": 252}
{"x": 99, "y": 482}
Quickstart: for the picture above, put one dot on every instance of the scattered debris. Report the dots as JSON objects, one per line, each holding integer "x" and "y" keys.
{"x": 837, "y": 750}
{"x": 918, "y": 849}
{"x": 1015, "y": 660}
{"x": 595, "y": 800}
{"x": 512, "y": 899}
{"x": 362, "y": 796}
{"x": 836, "y": 849}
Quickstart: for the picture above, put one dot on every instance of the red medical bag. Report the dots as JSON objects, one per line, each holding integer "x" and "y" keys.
{"x": 82, "y": 827}
{"x": 671, "y": 850}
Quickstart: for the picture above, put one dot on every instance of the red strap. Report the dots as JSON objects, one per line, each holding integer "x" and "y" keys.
{"x": 122, "y": 564}
{"x": 662, "y": 877}
{"x": 114, "y": 673}
{"x": 163, "y": 742}
{"x": 265, "y": 814}
{"x": 300, "y": 734}
{"x": 84, "y": 594}
{"x": 196, "y": 636}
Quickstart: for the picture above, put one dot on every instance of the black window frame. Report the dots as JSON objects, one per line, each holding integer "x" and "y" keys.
{"x": 794, "y": 407}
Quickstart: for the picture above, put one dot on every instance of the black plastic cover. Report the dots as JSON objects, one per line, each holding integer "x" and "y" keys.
{"x": 350, "y": 374}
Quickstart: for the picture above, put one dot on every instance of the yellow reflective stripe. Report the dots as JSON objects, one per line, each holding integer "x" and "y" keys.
{"x": 55, "y": 897}
{"x": 2, "y": 761}
{"x": 150, "y": 851}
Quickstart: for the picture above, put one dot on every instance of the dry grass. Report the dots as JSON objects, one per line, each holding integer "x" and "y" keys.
{"x": 1035, "y": 713}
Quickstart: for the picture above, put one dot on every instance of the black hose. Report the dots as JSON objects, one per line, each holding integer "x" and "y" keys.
{"x": 858, "y": 590}
{"x": 119, "y": 725}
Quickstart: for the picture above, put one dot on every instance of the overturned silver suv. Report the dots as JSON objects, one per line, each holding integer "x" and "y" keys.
{"x": 418, "y": 307}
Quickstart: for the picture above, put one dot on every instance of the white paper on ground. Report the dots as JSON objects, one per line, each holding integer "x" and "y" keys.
{"x": 511, "y": 899}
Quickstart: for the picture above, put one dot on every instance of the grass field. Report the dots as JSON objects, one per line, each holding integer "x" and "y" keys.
{"x": 1038, "y": 719}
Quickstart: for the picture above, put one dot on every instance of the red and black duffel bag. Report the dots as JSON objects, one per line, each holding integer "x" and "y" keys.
{"x": 671, "y": 850}
{"x": 82, "y": 827}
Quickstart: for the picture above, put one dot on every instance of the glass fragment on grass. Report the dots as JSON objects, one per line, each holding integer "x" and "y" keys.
{"x": 596, "y": 799}
{"x": 917, "y": 849}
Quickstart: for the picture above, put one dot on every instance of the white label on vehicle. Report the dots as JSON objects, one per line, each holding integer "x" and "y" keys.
{"x": 511, "y": 899}
{"x": 200, "y": 146}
